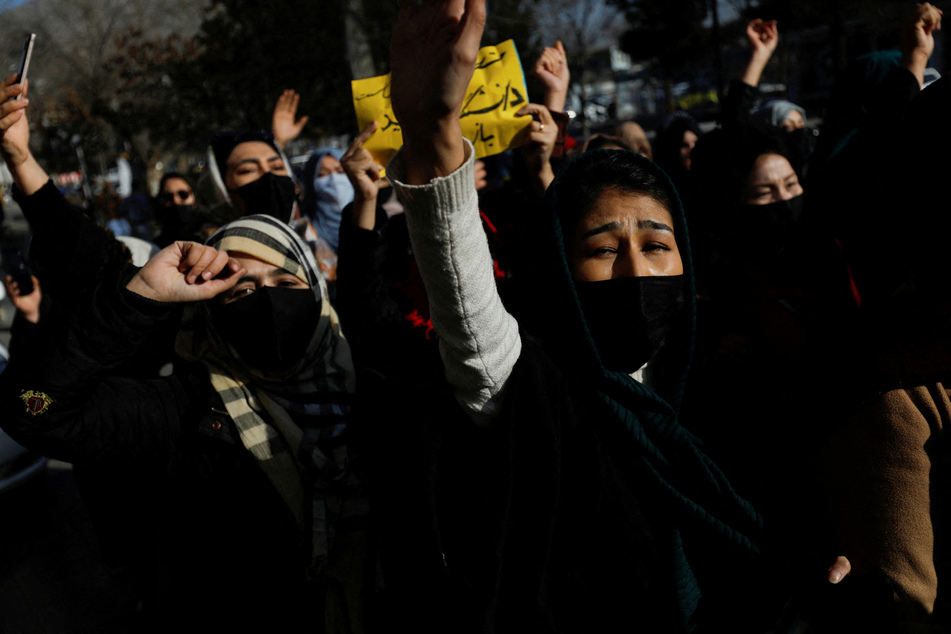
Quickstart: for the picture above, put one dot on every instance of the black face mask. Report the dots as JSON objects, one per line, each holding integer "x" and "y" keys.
{"x": 271, "y": 194}
{"x": 801, "y": 143}
{"x": 629, "y": 317}
{"x": 176, "y": 216}
{"x": 770, "y": 227}
{"x": 269, "y": 329}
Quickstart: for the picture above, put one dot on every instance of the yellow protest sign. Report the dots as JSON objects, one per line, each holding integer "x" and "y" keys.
{"x": 496, "y": 92}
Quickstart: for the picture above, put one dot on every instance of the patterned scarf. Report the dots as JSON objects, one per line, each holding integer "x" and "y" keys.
{"x": 294, "y": 424}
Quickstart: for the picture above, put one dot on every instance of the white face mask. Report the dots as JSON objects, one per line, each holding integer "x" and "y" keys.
{"x": 334, "y": 190}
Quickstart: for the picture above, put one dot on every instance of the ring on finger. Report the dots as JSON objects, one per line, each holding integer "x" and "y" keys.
{"x": 541, "y": 126}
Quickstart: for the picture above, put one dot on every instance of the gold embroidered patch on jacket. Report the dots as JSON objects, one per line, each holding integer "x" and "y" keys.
{"x": 36, "y": 402}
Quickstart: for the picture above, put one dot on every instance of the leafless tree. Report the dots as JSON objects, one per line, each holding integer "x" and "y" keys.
{"x": 71, "y": 72}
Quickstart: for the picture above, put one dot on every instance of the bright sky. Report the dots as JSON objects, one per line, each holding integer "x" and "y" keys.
{"x": 9, "y": 4}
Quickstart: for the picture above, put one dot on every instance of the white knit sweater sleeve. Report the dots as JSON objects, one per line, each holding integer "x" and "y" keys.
{"x": 478, "y": 338}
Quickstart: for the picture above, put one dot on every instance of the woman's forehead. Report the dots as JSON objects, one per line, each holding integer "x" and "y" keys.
{"x": 770, "y": 167}
{"x": 329, "y": 162}
{"x": 617, "y": 203}
{"x": 256, "y": 150}
{"x": 176, "y": 183}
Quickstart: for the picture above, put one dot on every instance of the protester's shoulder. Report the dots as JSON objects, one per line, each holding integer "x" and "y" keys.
{"x": 537, "y": 379}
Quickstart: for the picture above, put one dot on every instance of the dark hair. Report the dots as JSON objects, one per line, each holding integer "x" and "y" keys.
{"x": 604, "y": 141}
{"x": 224, "y": 143}
{"x": 584, "y": 180}
{"x": 169, "y": 176}
{"x": 671, "y": 138}
{"x": 723, "y": 159}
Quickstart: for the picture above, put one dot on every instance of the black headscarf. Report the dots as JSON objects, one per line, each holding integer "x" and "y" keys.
{"x": 667, "y": 151}
{"x": 221, "y": 145}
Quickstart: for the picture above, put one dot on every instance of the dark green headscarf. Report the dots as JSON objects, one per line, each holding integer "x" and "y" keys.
{"x": 691, "y": 496}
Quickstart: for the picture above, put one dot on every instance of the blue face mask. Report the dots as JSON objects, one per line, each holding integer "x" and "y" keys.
{"x": 333, "y": 193}
{"x": 333, "y": 190}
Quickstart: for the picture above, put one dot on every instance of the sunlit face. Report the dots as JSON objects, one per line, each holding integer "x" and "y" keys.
{"x": 329, "y": 165}
{"x": 251, "y": 160}
{"x": 771, "y": 180}
{"x": 624, "y": 235}
{"x": 794, "y": 121}
{"x": 177, "y": 191}
{"x": 259, "y": 275}
{"x": 686, "y": 147}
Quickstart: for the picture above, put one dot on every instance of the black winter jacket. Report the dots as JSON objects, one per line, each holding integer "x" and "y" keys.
{"x": 217, "y": 545}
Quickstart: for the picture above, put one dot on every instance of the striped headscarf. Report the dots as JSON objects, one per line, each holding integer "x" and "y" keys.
{"x": 294, "y": 424}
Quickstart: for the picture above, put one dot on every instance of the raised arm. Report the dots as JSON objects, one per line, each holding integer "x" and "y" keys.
{"x": 15, "y": 137}
{"x": 744, "y": 93}
{"x": 364, "y": 175}
{"x": 63, "y": 400}
{"x": 763, "y": 38}
{"x": 432, "y": 58}
{"x": 186, "y": 272}
{"x": 542, "y": 135}
{"x": 434, "y": 50}
{"x": 551, "y": 69}
{"x": 285, "y": 126}
{"x": 917, "y": 39}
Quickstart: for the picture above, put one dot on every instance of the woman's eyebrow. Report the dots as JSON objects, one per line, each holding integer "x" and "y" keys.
{"x": 608, "y": 227}
{"x": 277, "y": 272}
{"x": 653, "y": 224}
{"x": 242, "y": 162}
{"x": 641, "y": 224}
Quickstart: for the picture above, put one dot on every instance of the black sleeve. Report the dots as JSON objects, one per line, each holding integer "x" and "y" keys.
{"x": 366, "y": 298}
{"x": 739, "y": 101}
{"x": 382, "y": 303}
{"x": 891, "y": 100}
{"x": 70, "y": 251}
{"x": 848, "y": 189}
{"x": 54, "y": 222}
{"x": 21, "y": 333}
{"x": 62, "y": 394}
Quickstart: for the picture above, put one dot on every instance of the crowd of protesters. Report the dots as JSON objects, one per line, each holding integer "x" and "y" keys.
{"x": 688, "y": 385}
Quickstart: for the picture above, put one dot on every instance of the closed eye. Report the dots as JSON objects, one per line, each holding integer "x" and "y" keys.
{"x": 602, "y": 251}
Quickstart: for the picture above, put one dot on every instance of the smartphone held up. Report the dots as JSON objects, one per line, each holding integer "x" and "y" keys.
{"x": 24, "y": 61}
